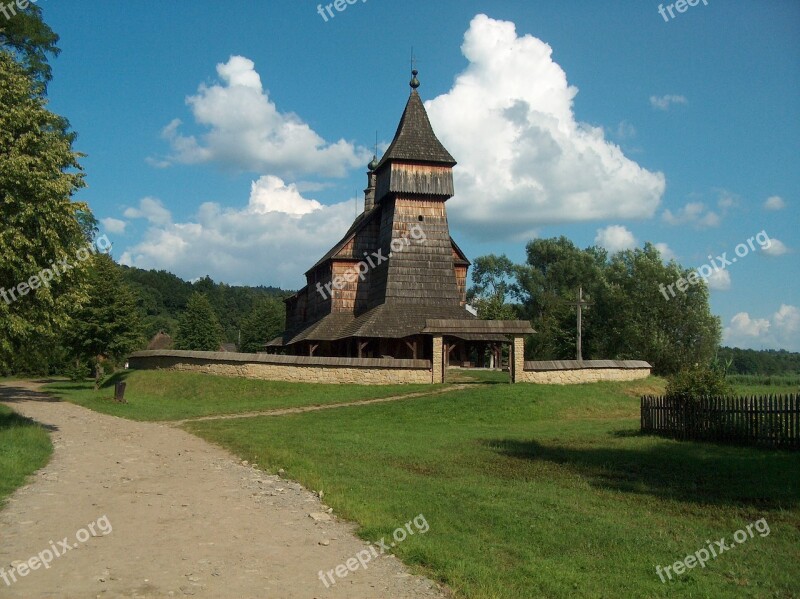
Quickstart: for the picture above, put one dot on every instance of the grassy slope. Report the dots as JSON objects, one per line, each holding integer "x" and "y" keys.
{"x": 24, "y": 448}
{"x": 163, "y": 395}
{"x": 541, "y": 491}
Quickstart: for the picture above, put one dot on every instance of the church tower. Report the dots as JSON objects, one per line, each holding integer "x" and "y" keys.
{"x": 414, "y": 179}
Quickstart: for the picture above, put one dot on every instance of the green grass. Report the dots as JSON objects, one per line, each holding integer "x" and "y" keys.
{"x": 541, "y": 491}
{"x": 764, "y": 385}
{"x": 24, "y": 448}
{"x": 159, "y": 395}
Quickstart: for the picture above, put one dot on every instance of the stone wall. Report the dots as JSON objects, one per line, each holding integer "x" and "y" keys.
{"x": 359, "y": 371}
{"x": 571, "y": 372}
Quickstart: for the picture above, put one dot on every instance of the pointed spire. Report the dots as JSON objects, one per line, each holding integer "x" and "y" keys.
{"x": 415, "y": 139}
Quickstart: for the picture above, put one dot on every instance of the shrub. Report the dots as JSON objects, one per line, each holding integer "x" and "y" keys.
{"x": 698, "y": 381}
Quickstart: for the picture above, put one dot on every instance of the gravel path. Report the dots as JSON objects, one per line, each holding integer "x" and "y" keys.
{"x": 181, "y": 517}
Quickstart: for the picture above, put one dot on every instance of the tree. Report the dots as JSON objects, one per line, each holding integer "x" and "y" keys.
{"x": 25, "y": 36}
{"x": 41, "y": 232}
{"x": 493, "y": 281}
{"x": 198, "y": 326}
{"x": 640, "y": 323}
{"x": 547, "y": 285}
{"x": 108, "y": 324}
{"x": 264, "y": 322}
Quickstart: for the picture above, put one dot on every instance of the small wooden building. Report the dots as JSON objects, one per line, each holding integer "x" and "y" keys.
{"x": 396, "y": 282}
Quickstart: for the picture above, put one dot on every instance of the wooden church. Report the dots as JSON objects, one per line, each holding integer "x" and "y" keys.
{"x": 395, "y": 284}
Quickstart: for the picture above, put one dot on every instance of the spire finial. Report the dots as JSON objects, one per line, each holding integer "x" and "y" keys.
{"x": 414, "y": 81}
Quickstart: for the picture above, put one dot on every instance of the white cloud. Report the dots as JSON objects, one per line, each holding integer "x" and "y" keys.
{"x": 152, "y": 209}
{"x": 524, "y": 160}
{"x": 787, "y": 319}
{"x": 245, "y": 131}
{"x": 664, "y": 102}
{"x": 273, "y": 240}
{"x": 113, "y": 225}
{"x": 774, "y": 203}
{"x": 271, "y": 194}
{"x": 693, "y": 213}
{"x": 781, "y": 331}
{"x": 666, "y": 252}
{"x": 615, "y": 238}
{"x": 719, "y": 280}
{"x": 775, "y": 248}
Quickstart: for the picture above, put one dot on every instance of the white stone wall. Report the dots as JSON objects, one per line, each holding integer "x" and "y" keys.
{"x": 582, "y": 375}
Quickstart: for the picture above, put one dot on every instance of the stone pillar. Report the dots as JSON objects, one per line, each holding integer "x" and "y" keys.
{"x": 437, "y": 360}
{"x": 516, "y": 359}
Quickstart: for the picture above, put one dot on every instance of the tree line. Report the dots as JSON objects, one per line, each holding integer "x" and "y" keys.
{"x": 628, "y": 318}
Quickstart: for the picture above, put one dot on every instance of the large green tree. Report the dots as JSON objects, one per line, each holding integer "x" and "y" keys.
{"x": 42, "y": 228}
{"x": 264, "y": 322}
{"x": 108, "y": 323}
{"x": 638, "y": 322}
{"x": 547, "y": 286}
{"x": 492, "y": 284}
{"x": 198, "y": 326}
{"x": 26, "y": 37}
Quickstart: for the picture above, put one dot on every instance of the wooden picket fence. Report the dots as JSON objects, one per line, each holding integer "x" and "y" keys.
{"x": 766, "y": 420}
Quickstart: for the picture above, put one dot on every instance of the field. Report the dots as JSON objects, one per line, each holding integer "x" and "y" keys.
{"x": 161, "y": 395}
{"x": 24, "y": 448}
{"x": 529, "y": 490}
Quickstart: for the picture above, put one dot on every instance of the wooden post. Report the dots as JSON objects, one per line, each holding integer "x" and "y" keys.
{"x": 580, "y": 303}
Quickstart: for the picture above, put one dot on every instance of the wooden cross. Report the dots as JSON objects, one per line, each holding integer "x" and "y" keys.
{"x": 580, "y": 303}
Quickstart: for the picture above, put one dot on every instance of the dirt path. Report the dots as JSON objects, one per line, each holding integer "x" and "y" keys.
{"x": 284, "y": 411}
{"x": 185, "y": 519}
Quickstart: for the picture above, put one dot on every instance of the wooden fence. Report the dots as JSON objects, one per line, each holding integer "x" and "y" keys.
{"x": 767, "y": 420}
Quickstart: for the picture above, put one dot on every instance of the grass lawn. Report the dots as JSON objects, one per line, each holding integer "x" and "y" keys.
{"x": 163, "y": 395}
{"x": 541, "y": 491}
{"x": 24, "y": 448}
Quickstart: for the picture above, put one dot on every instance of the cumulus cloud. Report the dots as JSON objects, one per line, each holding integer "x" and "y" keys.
{"x": 524, "y": 159}
{"x": 246, "y": 131}
{"x": 774, "y": 203}
{"x": 113, "y": 225}
{"x": 664, "y": 102}
{"x": 274, "y": 239}
{"x": 615, "y": 238}
{"x": 151, "y": 209}
{"x": 693, "y": 213}
{"x": 666, "y": 252}
{"x": 780, "y": 331}
{"x": 775, "y": 248}
{"x": 719, "y": 280}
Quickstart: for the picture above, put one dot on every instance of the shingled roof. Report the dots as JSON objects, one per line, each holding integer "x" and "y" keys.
{"x": 415, "y": 140}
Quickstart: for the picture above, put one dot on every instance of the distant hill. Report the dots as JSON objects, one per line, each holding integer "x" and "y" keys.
{"x": 163, "y": 296}
{"x": 751, "y": 361}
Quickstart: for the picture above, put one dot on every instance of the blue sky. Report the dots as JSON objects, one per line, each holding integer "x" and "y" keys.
{"x": 231, "y": 138}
